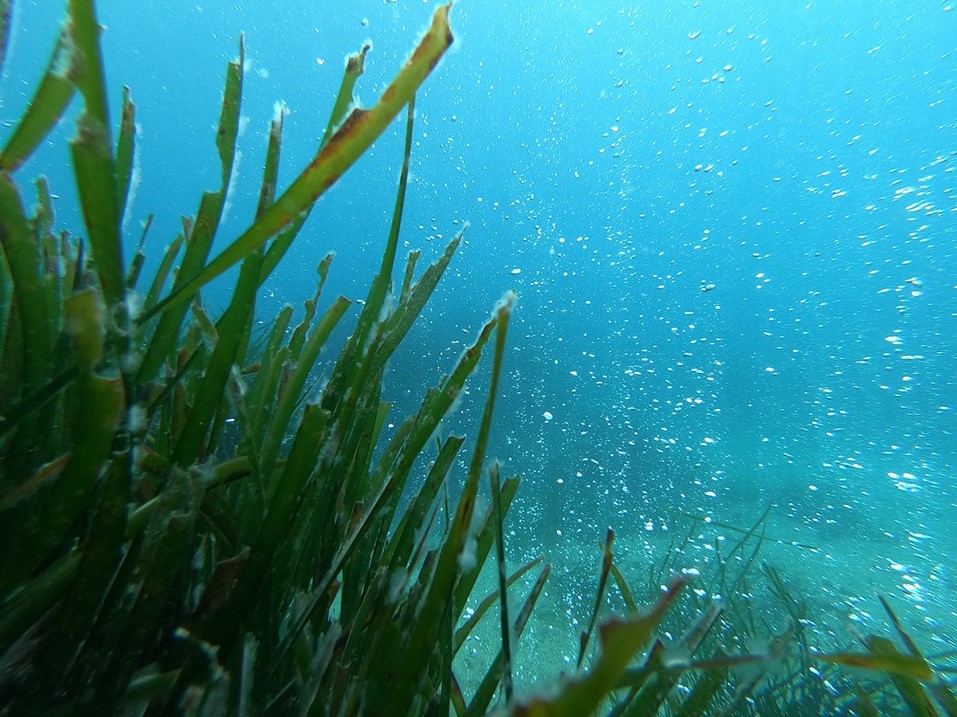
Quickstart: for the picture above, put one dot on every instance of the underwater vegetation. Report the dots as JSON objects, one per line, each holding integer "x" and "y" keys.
{"x": 187, "y": 526}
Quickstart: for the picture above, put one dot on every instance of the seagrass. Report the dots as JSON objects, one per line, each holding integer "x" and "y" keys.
{"x": 192, "y": 524}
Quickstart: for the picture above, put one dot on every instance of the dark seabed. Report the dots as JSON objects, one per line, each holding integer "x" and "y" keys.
{"x": 731, "y": 227}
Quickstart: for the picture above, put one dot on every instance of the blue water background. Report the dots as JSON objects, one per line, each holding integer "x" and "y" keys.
{"x": 797, "y": 160}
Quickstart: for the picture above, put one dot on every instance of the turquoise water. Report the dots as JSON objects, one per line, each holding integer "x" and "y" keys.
{"x": 731, "y": 227}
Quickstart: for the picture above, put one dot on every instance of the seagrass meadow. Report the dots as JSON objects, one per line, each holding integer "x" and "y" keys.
{"x": 211, "y": 508}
